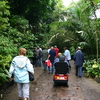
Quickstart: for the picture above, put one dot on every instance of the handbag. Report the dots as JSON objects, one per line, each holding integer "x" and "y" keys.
{"x": 31, "y": 76}
{"x": 48, "y": 63}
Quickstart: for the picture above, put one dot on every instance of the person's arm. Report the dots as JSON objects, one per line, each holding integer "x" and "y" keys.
{"x": 11, "y": 71}
{"x": 41, "y": 53}
{"x": 48, "y": 56}
{"x": 65, "y": 53}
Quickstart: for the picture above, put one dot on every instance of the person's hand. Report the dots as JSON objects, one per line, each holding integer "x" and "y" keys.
{"x": 11, "y": 79}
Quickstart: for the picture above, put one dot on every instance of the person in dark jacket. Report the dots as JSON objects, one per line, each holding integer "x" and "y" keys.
{"x": 79, "y": 60}
{"x": 38, "y": 56}
{"x": 44, "y": 57}
{"x": 51, "y": 57}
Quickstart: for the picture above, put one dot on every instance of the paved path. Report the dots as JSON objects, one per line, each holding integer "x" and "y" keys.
{"x": 89, "y": 89}
{"x": 11, "y": 93}
{"x": 79, "y": 88}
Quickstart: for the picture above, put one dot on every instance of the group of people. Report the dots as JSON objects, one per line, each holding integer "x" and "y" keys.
{"x": 42, "y": 54}
{"x": 53, "y": 54}
{"x": 21, "y": 65}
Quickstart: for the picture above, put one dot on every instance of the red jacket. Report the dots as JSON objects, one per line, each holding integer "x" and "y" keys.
{"x": 57, "y": 51}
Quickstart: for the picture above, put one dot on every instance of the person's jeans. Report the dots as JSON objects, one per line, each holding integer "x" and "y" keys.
{"x": 38, "y": 62}
{"x": 69, "y": 64}
{"x": 79, "y": 70}
{"x": 45, "y": 67}
{"x": 49, "y": 69}
{"x": 52, "y": 67}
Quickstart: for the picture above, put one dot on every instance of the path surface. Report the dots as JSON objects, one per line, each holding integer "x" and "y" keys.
{"x": 11, "y": 93}
{"x": 43, "y": 89}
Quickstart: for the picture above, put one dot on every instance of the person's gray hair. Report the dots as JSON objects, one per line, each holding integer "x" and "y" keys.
{"x": 79, "y": 48}
{"x": 59, "y": 54}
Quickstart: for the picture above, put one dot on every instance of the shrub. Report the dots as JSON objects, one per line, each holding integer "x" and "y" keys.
{"x": 4, "y": 66}
{"x": 7, "y": 51}
{"x": 92, "y": 68}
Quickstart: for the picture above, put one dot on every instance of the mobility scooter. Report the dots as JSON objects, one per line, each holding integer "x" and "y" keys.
{"x": 61, "y": 72}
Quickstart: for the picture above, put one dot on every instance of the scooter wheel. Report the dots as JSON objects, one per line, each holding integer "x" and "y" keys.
{"x": 55, "y": 83}
{"x": 67, "y": 84}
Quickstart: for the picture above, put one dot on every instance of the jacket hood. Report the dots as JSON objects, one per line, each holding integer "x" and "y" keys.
{"x": 20, "y": 61}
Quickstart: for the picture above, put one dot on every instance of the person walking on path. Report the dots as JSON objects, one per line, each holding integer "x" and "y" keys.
{"x": 79, "y": 60}
{"x": 38, "y": 56}
{"x": 56, "y": 50}
{"x": 44, "y": 57}
{"x": 67, "y": 55}
{"x": 19, "y": 68}
{"x": 51, "y": 57}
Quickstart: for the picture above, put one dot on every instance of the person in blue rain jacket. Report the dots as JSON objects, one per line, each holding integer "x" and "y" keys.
{"x": 19, "y": 67}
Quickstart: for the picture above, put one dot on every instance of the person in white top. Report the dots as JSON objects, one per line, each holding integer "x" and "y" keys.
{"x": 49, "y": 48}
{"x": 67, "y": 55}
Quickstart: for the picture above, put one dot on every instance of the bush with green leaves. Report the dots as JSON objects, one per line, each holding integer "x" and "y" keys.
{"x": 4, "y": 66}
{"x": 4, "y": 13}
{"x": 7, "y": 51}
{"x": 92, "y": 68}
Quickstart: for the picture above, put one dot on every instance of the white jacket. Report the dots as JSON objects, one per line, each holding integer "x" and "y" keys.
{"x": 67, "y": 54}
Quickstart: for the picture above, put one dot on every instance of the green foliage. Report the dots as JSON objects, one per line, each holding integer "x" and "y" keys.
{"x": 19, "y": 23}
{"x": 92, "y": 68}
{"x": 34, "y": 22}
{"x": 21, "y": 34}
{"x": 7, "y": 47}
{"x": 4, "y": 66}
{"x": 90, "y": 57}
{"x": 13, "y": 35}
{"x": 7, "y": 51}
{"x": 4, "y": 12}
{"x": 89, "y": 25}
{"x": 72, "y": 50}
